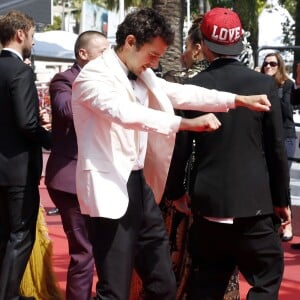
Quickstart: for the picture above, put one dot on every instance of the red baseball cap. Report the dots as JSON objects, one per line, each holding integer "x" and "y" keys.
{"x": 222, "y": 31}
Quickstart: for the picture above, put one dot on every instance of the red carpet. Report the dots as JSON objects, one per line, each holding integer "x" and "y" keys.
{"x": 290, "y": 289}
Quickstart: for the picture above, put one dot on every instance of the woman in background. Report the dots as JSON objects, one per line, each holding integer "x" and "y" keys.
{"x": 192, "y": 59}
{"x": 177, "y": 222}
{"x": 39, "y": 279}
{"x": 273, "y": 65}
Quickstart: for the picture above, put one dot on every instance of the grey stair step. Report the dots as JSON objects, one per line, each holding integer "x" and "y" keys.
{"x": 295, "y": 200}
{"x": 295, "y": 174}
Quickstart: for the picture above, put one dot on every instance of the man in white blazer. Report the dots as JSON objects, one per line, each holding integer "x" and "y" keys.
{"x": 126, "y": 129}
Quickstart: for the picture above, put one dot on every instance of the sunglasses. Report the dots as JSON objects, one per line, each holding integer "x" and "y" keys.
{"x": 271, "y": 63}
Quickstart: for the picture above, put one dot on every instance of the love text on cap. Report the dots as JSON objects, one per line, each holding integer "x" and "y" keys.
{"x": 226, "y": 35}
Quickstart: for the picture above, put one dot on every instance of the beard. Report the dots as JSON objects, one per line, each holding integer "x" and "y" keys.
{"x": 26, "y": 53}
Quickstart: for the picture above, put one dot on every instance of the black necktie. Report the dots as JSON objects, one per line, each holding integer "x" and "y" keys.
{"x": 131, "y": 76}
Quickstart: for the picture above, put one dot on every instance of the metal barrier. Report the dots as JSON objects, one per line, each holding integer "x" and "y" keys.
{"x": 295, "y": 159}
{"x": 282, "y": 48}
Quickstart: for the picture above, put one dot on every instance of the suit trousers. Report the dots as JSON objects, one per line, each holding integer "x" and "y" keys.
{"x": 137, "y": 240}
{"x": 19, "y": 207}
{"x": 251, "y": 244}
{"x": 81, "y": 266}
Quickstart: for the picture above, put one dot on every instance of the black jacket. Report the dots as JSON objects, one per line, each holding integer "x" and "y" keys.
{"x": 241, "y": 168}
{"x": 21, "y": 135}
{"x": 284, "y": 93}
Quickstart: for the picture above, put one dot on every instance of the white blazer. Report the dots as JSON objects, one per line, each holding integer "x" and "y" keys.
{"x": 107, "y": 118}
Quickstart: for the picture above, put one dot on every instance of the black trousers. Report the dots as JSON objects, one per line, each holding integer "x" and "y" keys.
{"x": 19, "y": 207}
{"x": 137, "y": 240}
{"x": 251, "y": 244}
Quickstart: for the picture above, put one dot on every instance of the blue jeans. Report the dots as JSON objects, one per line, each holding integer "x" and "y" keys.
{"x": 290, "y": 148}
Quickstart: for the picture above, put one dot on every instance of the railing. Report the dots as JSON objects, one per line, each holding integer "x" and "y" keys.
{"x": 274, "y": 48}
{"x": 295, "y": 159}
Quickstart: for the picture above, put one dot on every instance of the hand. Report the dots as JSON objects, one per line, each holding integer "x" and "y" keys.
{"x": 45, "y": 118}
{"x": 208, "y": 122}
{"x": 182, "y": 204}
{"x": 255, "y": 102}
{"x": 27, "y": 61}
{"x": 283, "y": 214}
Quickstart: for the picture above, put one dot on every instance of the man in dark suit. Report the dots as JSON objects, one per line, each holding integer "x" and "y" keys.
{"x": 61, "y": 167}
{"x": 240, "y": 176}
{"x": 20, "y": 152}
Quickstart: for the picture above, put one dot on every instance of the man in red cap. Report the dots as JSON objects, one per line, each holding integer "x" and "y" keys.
{"x": 240, "y": 175}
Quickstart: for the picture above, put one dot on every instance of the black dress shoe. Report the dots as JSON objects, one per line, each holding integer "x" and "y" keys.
{"x": 295, "y": 246}
{"x": 53, "y": 212}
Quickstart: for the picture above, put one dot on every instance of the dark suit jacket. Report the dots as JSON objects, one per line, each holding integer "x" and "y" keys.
{"x": 241, "y": 168}
{"x": 21, "y": 135}
{"x": 285, "y": 95}
{"x": 61, "y": 165}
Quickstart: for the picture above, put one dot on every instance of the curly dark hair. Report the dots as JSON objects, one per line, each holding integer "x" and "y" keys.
{"x": 11, "y": 22}
{"x": 145, "y": 24}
